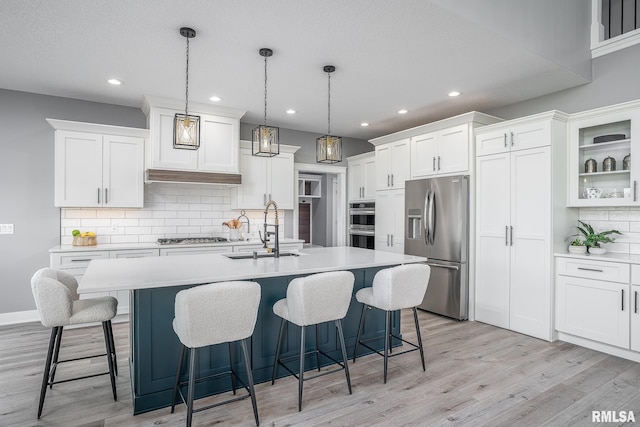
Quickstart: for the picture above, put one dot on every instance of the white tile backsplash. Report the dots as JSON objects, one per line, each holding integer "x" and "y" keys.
{"x": 170, "y": 210}
{"x": 625, "y": 219}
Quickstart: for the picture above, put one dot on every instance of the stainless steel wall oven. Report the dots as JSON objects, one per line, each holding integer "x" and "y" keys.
{"x": 362, "y": 225}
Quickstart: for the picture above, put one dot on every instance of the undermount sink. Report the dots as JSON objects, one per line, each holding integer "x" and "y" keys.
{"x": 246, "y": 255}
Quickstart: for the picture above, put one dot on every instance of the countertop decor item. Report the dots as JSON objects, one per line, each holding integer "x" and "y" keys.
{"x": 609, "y": 164}
{"x": 329, "y": 147}
{"x": 265, "y": 138}
{"x": 577, "y": 246}
{"x": 592, "y": 193}
{"x": 609, "y": 138}
{"x": 595, "y": 250}
{"x": 87, "y": 238}
{"x": 186, "y": 128}
{"x": 590, "y": 166}
{"x": 593, "y": 239}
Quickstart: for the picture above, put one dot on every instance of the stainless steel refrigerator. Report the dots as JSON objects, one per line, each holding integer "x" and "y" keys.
{"x": 437, "y": 227}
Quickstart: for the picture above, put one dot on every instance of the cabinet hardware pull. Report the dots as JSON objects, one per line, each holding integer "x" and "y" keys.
{"x": 387, "y": 240}
{"x": 269, "y": 197}
{"x": 264, "y": 198}
{"x": 591, "y": 269}
{"x": 81, "y": 260}
{"x": 505, "y": 140}
{"x": 512, "y": 143}
{"x": 636, "y": 307}
{"x": 434, "y": 163}
{"x": 388, "y": 180}
{"x": 635, "y": 191}
{"x": 506, "y": 235}
{"x": 106, "y": 196}
{"x": 98, "y": 195}
{"x": 622, "y": 299}
{"x": 392, "y": 240}
{"x": 511, "y": 235}
{"x": 438, "y": 162}
{"x": 392, "y": 180}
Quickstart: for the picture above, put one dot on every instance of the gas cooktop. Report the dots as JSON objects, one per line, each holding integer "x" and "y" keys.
{"x": 190, "y": 240}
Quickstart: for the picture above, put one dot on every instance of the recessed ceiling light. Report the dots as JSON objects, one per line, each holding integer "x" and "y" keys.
{"x": 291, "y": 111}
{"x": 454, "y": 93}
{"x": 215, "y": 99}
{"x": 364, "y": 124}
{"x": 403, "y": 111}
{"x": 114, "y": 82}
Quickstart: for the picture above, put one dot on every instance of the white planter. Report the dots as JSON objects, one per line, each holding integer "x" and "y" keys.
{"x": 597, "y": 251}
{"x": 578, "y": 249}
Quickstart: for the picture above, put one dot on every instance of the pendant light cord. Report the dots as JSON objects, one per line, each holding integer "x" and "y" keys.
{"x": 265, "y": 91}
{"x": 329, "y": 104}
{"x": 186, "y": 96}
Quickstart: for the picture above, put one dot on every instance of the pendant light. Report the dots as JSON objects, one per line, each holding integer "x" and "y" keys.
{"x": 265, "y": 138}
{"x": 328, "y": 147}
{"x": 186, "y": 128}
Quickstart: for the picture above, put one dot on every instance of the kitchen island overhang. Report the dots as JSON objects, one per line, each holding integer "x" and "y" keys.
{"x": 154, "y": 282}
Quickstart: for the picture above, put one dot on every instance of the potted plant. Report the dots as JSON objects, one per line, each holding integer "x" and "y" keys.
{"x": 592, "y": 239}
{"x": 577, "y": 246}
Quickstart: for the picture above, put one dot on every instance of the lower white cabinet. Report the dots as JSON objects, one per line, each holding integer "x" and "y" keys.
{"x": 597, "y": 305}
{"x": 389, "y": 235}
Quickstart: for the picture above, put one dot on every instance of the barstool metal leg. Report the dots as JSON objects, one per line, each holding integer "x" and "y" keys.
{"x": 301, "y": 374}
{"x": 47, "y": 368}
{"x": 318, "y": 346}
{"x": 177, "y": 382}
{"x": 415, "y": 318}
{"x": 233, "y": 372}
{"x": 192, "y": 385}
{"x": 250, "y": 378}
{"x": 386, "y": 343}
{"x": 107, "y": 344}
{"x": 56, "y": 352}
{"x": 344, "y": 353}
{"x": 113, "y": 348}
{"x": 283, "y": 324}
{"x": 390, "y": 336}
{"x": 360, "y": 326}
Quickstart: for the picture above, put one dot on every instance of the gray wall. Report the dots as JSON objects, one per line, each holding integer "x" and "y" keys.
{"x": 307, "y": 142}
{"x": 615, "y": 80}
{"x": 26, "y": 182}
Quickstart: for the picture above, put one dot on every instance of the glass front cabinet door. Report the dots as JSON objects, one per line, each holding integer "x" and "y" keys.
{"x": 603, "y": 146}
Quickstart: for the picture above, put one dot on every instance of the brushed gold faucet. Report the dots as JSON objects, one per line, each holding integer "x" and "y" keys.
{"x": 275, "y": 225}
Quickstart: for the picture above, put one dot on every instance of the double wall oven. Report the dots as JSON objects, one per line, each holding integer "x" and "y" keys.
{"x": 362, "y": 224}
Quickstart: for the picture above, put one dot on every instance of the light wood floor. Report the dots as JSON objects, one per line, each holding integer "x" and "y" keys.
{"x": 476, "y": 375}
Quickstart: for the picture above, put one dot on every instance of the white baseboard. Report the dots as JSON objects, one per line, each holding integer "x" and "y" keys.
{"x": 19, "y": 317}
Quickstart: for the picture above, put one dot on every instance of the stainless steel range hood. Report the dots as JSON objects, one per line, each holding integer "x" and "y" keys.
{"x": 162, "y": 175}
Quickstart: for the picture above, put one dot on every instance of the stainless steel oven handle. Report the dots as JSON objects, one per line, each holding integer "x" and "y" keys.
{"x": 450, "y": 267}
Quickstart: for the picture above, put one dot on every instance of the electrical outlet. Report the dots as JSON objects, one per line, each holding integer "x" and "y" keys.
{"x": 114, "y": 228}
{"x": 6, "y": 228}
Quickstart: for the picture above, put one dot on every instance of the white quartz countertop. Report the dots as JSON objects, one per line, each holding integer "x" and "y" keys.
{"x": 157, "y": 272}
{"x": 609, "y": 256}
{"x": 155, "y": 245}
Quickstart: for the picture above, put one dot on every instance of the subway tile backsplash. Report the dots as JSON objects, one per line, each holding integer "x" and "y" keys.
{"x": 170, "y": 210}
{"x": 625, "y": 220}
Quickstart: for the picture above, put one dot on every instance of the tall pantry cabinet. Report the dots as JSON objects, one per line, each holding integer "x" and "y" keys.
{"x": 521, "y": 220}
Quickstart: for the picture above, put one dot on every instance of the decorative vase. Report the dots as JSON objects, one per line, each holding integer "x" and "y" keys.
{"x": 234, "y": 234}
{"x": 578, "y": 249}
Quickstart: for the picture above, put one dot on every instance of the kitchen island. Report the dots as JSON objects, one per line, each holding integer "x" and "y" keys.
{"x": 154, "y": 282}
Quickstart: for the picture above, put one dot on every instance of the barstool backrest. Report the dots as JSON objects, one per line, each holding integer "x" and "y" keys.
{"x": 320, "y": 297}
{"x": 54, "y": 292}
{"x": 400, "y": 287}
{"x": 216, "y": 313}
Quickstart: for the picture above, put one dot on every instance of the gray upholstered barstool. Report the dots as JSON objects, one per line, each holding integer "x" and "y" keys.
{"x": 311, "y": 300}
{"x": 394, "y": 289}
{"x": 216, "y": 313}
{"x": 58, "y": 304}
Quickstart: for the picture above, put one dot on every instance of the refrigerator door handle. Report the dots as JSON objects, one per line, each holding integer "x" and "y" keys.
{"x": 425, "y": 216}
{"x": 450, "y": 267}
{"x": 432, "y": 215}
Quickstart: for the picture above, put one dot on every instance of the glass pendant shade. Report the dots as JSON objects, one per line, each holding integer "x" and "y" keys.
{"x": 265, "y": 141}
{"x": 328, "y": 149}
{"x": 186, "y": 132}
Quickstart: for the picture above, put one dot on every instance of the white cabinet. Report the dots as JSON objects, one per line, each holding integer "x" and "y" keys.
{"x": 501, "y": 139}
{"x": 392, "y": 164}
{"x": 361, "y": 176}
{"x": 219, "y": 137}
{"x": 264, "y": 179}
{"x": 592, "y": 300}
{"x": 515, "y": 216}
{"x": 98, "y": 165}
{"x": 389, "y": 234}
{"x": 442, "y": 152}
{"x": 596, "y": 135}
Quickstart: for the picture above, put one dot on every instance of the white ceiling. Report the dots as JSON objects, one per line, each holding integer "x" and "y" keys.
{"x": 389, "y": 54}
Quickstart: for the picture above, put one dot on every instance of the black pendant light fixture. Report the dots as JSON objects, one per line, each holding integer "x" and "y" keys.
{"x": 329, "y": 147}
{"x": 186, "y": 128}
{"x": 265, "y": 138}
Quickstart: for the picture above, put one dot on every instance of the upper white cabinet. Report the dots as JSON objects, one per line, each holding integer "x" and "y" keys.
{"x": 361, "y": 176}
{"x": 219, "y": 137}
{"x": 98, "y": 165}
{"x": 265, "y": 178}
{"x": 512, "y": 138}
{"x": 604, "y": 138}
{"x": 517, "y": 197}
{"x": 392, "y": 164}
{"x": 442, "y": 152}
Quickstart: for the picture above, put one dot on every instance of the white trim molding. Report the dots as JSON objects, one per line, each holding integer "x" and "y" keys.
{"x": 17, "y": 317}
